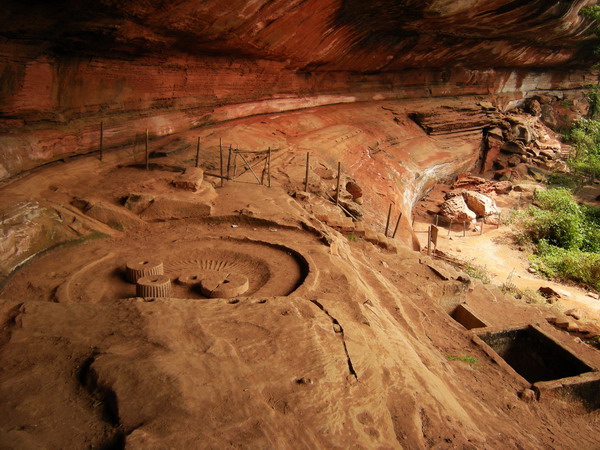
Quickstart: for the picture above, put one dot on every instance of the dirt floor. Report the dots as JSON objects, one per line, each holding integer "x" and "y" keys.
{"x": 336, "y": 337}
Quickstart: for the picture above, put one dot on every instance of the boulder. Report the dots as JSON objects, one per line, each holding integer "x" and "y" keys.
{"x": 165, "y": 206}
{"x": 514, "y": 147}
{"x": 514, "y": 160}
{"x": 112, "y": 215}
{"x": 456, "y": 209}
{"x": 190, "y": 180}
{"x": 503, "y": 187}
{"x": 548, "y": 292}
{"x": 354, "y": 190}
{"x": 575, "y": 314}
{"x": 481, "y": 204}
{"x": 534, "y": 107}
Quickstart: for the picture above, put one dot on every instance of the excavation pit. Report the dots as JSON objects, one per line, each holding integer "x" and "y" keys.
{"x": 463, "y": 315}
{"x": 534, "y": 355}
{"x": 584, "y": 389}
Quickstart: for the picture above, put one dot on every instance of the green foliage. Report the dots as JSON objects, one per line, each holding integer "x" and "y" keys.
{"x": 527, "y": 295}
{"x": 468, "y": 359}
{"x": 566, "y": 235}
{"x": 585, "y": 138}
{"x": 558, "y": 219}
{"x": 574, "y": 265}
{"x": 476, "y": 271}
{"x": 593, "y": 97}
{"x": 592, "y": 12}
{"x": 565, "y": 180}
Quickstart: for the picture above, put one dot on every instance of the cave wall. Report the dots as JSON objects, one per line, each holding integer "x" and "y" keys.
{"x": 67, "y": 66}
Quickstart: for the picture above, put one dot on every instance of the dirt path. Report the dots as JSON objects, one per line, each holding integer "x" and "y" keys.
{"x": 505, "y": 263}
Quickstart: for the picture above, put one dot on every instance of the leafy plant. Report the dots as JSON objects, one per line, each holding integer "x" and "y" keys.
{"x": 566, "y": 236}
{"x": 468, "y": 359}
{"x": 477, "y": 271}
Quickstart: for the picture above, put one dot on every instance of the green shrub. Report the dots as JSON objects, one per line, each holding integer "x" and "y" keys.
{"x": 557, "y": 220}
{"x": 585, "y": 138}
{"x": 566, "y": 235}
{"x": 477, "y": 271}
{"x": 565, "y": 180}
{"x": 568, "y": 264}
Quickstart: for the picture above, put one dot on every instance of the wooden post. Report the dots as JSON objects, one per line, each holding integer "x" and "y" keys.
{"x": 387, "y": 223}
{"x": 429, "y": 240}
{"x": 198, "y": 153}
{"x": 464, "y": 229}
{"x": 337, "y": 189}
{"x": 264, "y": 171}
{"x": 147, "y": 155}
{"x": 101, "y": 140}
{"x": 228, "y": 161}
{"x": 436, "y": 220}
{"x": 234, "y": 164}
{"x": 307, "y": 169}
{"x": 221, "y": 162}
{"x": 396, "y": 227}
{"x": 269, "y": 168}
{"x": 449, "y": 228}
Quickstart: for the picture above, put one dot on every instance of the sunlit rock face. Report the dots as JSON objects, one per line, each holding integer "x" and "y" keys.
{"x": 67, "y": 65}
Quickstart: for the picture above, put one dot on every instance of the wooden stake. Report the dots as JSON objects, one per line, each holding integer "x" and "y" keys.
{"x": 147, "y": 154}
{"x": 464, "y": 229}
{"x": 234, "y": 165}
{"x": 269, "y": 169}
{"x": 387, "y": 223}
{"x": 228, "y": 161}
{"x": 429, "y": 241}
{"x": 198, "y": 153}
{"x": 264, "y": 171}
{"x": 436, "y": 220}
{"x": 450, "y": 228}
{"x": 307, "y": 169}
{"x": 221, "y": 161}
{"x": 101, "y": 141}
{"x": 337, "y": 189}
{"x": 396, "y": 227}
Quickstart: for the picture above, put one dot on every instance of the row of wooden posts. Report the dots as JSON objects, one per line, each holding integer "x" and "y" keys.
{"x": 266, "y": 170}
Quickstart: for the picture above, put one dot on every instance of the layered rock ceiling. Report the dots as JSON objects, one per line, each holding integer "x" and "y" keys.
{"x": 281, "y": 321}
{"x": 168, "y": 66}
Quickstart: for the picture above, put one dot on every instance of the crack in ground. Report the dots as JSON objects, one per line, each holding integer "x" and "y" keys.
{"x": 337, "y": 326}
{"x": 105, "y": 397}
{"x": 10, "y": 323}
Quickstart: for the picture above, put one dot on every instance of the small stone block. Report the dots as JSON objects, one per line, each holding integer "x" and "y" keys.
{"x": 190, "y": 180}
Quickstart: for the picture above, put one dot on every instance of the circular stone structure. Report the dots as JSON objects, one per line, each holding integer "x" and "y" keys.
{"x": 108, "y": 270}
{"x": 140, "y": 267}
{"x": 190, "y": 278}
{"x": 153, "y": 286}
{"x": 224, "y": 285}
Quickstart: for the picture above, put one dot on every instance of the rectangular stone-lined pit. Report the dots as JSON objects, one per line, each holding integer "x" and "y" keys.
{"x": 534, "y": 355}
{"x": 463, "y": 315}
{"x": 584, "y": 388}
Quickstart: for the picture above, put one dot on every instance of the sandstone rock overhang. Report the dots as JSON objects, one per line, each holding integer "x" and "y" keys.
{"x": 313, "y": 35}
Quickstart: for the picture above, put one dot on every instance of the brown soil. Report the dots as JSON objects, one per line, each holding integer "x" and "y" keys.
{"x": 338, "y": 341}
